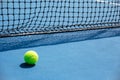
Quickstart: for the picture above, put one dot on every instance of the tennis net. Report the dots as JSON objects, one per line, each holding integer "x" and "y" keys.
{"x": 26, "y": 17}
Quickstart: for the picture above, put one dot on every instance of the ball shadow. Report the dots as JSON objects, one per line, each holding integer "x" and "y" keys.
{"x": 25, "y": 65}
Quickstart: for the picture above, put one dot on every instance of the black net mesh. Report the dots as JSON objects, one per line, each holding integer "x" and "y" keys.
{"x": 25, "y": 17}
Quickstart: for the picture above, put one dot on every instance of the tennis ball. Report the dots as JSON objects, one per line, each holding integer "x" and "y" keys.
{"x": 31, "y": 57}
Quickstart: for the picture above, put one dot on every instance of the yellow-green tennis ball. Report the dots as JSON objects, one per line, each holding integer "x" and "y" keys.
{"x": 31, "y": 57}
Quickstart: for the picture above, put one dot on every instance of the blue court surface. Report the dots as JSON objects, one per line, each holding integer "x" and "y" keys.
{"x": 64, "y": 55}
{"x": 97, "y": 59}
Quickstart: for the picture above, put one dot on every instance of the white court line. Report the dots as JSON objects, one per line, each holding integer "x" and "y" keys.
{"x": 102, "y": 1}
